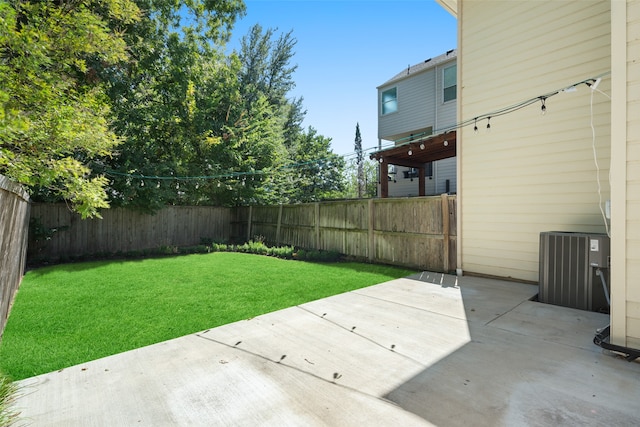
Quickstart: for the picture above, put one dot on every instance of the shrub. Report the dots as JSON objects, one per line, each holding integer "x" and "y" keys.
{"x": 8, "y": 394}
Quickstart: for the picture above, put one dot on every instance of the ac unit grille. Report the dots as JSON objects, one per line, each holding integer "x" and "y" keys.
{"x": 566, "y": 278}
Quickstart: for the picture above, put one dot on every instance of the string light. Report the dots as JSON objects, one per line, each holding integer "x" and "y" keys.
{"x": 373, "y": 150}
{"x": 543, "y": 108}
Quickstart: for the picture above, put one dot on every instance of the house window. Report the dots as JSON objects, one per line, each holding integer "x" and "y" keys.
{"x": 450, "y": 86}
{"x": 389, "y": 101}
{"x": 415, "y": 172}
{"x": 411, "y": 173}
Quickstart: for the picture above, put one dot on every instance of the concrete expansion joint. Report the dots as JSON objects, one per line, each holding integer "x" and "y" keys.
{"x": 409, "y": 305}
{"x": 390, "y": 347}
{"x": 499, "y": 315}
{"x": 333, "y": 380}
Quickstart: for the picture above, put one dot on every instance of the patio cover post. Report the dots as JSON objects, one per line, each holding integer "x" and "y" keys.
{"x": 421, "y": 182}
{"x": 384, "y": 179}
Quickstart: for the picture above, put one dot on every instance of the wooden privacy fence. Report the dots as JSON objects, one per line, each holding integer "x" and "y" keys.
{"x": 417, "y": 232}
{"x": 14, "y": 232}
{"x": 123, "y": 230}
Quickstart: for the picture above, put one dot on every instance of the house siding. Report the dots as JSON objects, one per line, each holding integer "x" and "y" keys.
{"x": 420, "y": 104}
{"x": 531, "y": 173}
{"x": 416, "y": 109}
{"x": 444, "y": 170}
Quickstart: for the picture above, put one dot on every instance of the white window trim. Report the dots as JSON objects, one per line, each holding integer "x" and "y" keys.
{"x": 445, "y": 87}
{"x": 382, "y": 113}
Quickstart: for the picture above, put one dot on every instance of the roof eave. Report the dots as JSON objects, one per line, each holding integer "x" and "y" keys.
{"x": 450, "y": 6}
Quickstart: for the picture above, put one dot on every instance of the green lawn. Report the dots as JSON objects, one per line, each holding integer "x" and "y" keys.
{"x": 72, "y": 313}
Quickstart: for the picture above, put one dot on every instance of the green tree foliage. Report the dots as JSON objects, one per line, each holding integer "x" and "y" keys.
{"x": 359, "y": 161}
{"x": 319, "y": 174}
{"x": 52, "y": 109}
{"x": 189, "y": 111}
{"x": 266, "y": 66}
{"x": 353, "y": 179}
{"x": 176, "y": 104}
{"x": 128, "y": 98}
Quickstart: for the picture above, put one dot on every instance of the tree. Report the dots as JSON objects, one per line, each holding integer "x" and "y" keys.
{"x": 318, "y": 172}
{"x": 188, "y": 111}
{"x": 178, "y": 105}
{"x": 266, "y": 65}
{"x": 352, "y": 180}
{"x": 359, "y": 161}
{"x": 53, "y": 112}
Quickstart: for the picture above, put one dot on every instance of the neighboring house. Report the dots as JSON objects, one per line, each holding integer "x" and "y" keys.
{"x": 534, "y": 173}
{"x": 414, "y": 104}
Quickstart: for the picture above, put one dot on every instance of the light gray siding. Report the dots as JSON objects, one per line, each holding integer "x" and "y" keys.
{"x": 443, "y": 171}
{"x": 420, "y": 104}
{"x": 416, "y": 109}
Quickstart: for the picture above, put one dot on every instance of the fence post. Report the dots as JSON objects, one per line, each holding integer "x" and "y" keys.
{"x": 279, "y": 225}
{"x": 14, "y": 232}
{"x": 249, "y": 223}
{"x": 372, "y": 242}
{"x": 445, "y": 232}
{"x": 317, "y": 215}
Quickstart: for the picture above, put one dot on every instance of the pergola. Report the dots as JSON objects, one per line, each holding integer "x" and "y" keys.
{"x": 415, "y": 154}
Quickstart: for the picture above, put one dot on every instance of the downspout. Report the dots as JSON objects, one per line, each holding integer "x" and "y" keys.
{"x": 379, "y": 187}
{"x": 459, "y": 147}
{"x": 434, "y": 167}
{"x": 602, "y": 340}
{"x": 602, "y": 335}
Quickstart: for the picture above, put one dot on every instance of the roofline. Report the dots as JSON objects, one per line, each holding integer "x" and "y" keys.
{"x": 450, "y": 6}
{"x": 436, "y": 64}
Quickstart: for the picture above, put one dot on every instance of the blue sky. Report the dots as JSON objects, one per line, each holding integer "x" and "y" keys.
{"x": 345, "y": 49}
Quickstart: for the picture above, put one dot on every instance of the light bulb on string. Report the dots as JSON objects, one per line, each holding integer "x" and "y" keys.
{"x": 381, "y": 160}
{"x": 410, "y": 151}
{"x": 142, "y": 183}
{"x": 489, "y": 124}
{"x": 475, "y": 125}
{"x": 422, "y": 145}
{"x": 543, "y": 108}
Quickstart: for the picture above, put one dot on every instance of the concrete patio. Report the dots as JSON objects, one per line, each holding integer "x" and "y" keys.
{"x": 430, "y": 349}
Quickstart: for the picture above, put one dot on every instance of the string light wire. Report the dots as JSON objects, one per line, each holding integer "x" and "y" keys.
{"x": 403, "y": 141}
{"x": 595, "y": 160}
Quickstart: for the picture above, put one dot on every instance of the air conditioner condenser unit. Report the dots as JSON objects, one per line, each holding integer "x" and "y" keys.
{"x": 568, "y": 270}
